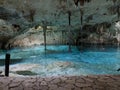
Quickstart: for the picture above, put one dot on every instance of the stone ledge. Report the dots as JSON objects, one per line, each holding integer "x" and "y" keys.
{"x": 91, "y": 82}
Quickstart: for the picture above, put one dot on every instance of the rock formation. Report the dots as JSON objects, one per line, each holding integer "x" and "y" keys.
{"x": 96, "y": 20}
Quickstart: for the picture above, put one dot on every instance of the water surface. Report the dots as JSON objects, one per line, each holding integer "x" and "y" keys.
{"x": 90, "y": 60}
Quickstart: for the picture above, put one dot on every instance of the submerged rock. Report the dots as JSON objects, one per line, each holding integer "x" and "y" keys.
{"x": 28, "y": 73}
{"x": 60, "y": 65}
{"x": 24, "y": 67}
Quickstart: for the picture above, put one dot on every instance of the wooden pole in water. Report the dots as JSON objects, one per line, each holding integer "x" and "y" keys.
{"x": 7, "y": 62}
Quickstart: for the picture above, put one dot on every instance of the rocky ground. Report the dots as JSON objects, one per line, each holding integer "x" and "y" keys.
{"x": 91, "y": 82}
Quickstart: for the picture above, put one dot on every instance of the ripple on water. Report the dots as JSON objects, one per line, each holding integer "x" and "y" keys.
{"x": 85, "y": 62}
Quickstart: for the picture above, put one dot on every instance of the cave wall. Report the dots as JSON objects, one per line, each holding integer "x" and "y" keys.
{"x": 35, "y": 37}
{"x": 96, "y": 20}
{"x": 56, "y": 11}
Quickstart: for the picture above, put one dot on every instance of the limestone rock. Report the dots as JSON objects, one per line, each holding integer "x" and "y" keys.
{"x": 30, "y": 38}
{"x": 99, "y": 16}
{"x": 55, "y": 12}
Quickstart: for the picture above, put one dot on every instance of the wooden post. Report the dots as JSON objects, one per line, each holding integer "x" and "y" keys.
{"x": 7, "y": 62}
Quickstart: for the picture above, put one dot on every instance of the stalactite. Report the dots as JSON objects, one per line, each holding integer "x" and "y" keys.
{"x": 69, "y": 17}
{"x": 62, "y": 2}
{"x": 32, "y": 13}
{"x": 81, "y": 2}
{"x": 44, "y": 33}
{"x": 114, "y": 1}
{"x": 81, "y": 18}
{"x": 118, "y": 11}
{"x": 76, "y": 2}
{"x": 87, "y": 0}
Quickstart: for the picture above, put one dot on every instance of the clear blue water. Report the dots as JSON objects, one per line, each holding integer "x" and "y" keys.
{"x": 91, "y": 60}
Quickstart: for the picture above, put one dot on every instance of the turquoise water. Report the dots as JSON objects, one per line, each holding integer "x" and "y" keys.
{"x": 91, "y": 60}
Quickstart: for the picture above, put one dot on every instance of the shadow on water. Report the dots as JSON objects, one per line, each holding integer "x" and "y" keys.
{"x": 12, "y": 61}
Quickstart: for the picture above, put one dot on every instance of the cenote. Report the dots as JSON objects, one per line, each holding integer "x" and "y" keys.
{"x": 58, "y": 61}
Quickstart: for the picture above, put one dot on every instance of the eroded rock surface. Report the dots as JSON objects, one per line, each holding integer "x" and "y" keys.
{"x": 96, "y": 20}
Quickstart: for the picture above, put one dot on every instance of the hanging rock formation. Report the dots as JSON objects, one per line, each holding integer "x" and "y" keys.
{"x": 95, "y": 19}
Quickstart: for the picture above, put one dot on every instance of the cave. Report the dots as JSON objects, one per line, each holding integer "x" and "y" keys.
{"x": 60, "y": 45}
